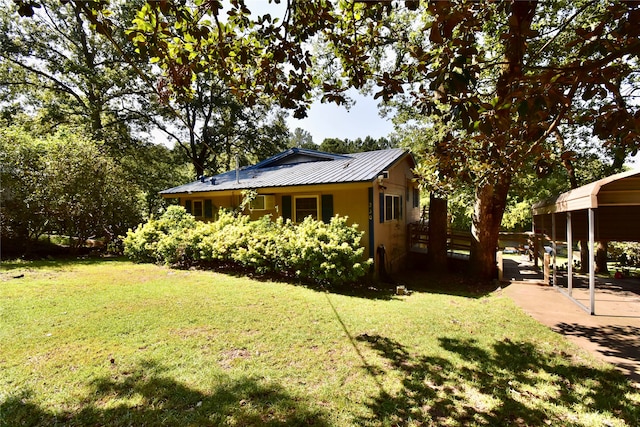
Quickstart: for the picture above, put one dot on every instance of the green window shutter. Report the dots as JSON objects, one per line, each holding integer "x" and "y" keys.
{"x": 327, "y": 208}
{"x": 286, "y": 207}
{"x": 208, "y": 209}
{"x": 381, "y": 208}
{"x": 187, "y": 205}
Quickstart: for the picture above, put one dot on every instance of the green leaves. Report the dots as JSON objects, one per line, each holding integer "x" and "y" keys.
{"x": 62, "y": 184}
{"x": 312, "y": 250}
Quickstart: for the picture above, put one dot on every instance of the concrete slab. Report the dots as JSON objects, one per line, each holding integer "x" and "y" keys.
{"x": 613, "y": 334}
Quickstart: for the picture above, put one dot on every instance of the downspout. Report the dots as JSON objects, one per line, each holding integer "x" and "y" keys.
{"x": 237, "y": 170}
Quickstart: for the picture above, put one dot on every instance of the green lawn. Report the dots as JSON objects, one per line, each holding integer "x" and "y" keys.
{"x": 108, "y": 342}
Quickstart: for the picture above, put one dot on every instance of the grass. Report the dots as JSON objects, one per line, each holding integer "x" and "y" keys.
{"x": 108, "y": 342}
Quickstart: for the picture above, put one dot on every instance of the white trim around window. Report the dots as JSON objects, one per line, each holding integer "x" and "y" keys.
{"x": 392, "y": 207}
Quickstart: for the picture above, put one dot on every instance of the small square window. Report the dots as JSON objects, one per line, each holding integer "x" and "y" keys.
{"x": 257, "y": 204}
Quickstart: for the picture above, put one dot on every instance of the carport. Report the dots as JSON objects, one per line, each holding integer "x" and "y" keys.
{"x": 608, "y": 209}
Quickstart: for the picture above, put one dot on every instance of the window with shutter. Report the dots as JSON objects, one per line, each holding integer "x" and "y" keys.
{"x": 392, "y": 207}
{"x": 305, "y": 206}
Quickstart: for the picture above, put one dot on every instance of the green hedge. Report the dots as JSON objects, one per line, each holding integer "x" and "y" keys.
{"x": 311, "y": 251}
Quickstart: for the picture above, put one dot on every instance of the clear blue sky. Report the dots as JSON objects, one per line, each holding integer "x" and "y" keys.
{"x": 330, "y": 120}
{"x": 333, "y": 121}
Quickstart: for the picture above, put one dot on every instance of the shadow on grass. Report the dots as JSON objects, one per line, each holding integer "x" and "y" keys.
{"x": 147, "y": 397}
{"x": 456, "y": 284}
{"x": 510, "y": 384}
{"x": 617, "y": 341}
{"x": 362, "y": 289}
{"x": 58, "y": 262}
{"x": 415, "y": 280}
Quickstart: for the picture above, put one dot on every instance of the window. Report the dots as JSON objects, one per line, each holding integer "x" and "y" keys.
{"x": 262, "y": 202}
{"x": 306, "y": 206}
{"x": 197, "y": 208}
{"x": 257, "y": 204}
{"x": 392, "y": 208}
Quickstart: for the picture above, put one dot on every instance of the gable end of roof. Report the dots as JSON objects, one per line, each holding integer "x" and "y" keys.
{"x": 297, "y": 155}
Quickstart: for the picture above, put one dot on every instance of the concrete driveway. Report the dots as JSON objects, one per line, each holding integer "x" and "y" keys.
{"x": 612, "y": 334}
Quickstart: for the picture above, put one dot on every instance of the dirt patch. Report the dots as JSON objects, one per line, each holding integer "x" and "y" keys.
{"x": 195, "y": 332}
{"x": 228, "y": 357}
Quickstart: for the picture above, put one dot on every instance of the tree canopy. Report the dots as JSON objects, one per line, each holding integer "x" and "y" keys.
{"x": 337, "y": 145}
{"x": 500, "y": 80}
{"x": 62, "y": 184}
{"x": 213, "y": 127}
{"x": 55, "y": 68}
{"x": 503, "y": 82}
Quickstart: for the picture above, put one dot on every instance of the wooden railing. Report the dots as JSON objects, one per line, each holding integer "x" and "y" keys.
{"x": 418, "y": 236}
{"x": 457, "y": 241}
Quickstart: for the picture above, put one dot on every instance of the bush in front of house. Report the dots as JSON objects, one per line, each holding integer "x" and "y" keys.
{"x": 311, "y": 251}
{"x": 161, "y": 240}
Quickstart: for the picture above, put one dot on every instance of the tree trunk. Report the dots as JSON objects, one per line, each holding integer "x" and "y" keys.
{"x": 197, "y": 165}
{"x": 601, "y": 257}
{"x": 491, "y": 200}
{"x": 437, "y": 255}
{"x": 584, "y": 256}
{"x": 491, "y": 193}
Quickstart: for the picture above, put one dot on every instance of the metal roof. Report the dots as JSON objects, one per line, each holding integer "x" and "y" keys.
{"x": 604, "y": 210}
{"x": 614, "y": 199}
{"x": 621, "y": 189}
{"x": 296, "y": 167}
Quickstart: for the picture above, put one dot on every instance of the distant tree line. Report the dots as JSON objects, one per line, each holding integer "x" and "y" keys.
{"x": 303, "y": 139}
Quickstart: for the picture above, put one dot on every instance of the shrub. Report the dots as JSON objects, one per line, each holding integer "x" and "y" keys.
{"x": 62, "y": 183}
{"x": 312, "y": 251}
{"x": 220, "y": 239}
{"x": 326, "y": 253}
{"x": 160, "y": 240}
{"x": 627, "y": 254}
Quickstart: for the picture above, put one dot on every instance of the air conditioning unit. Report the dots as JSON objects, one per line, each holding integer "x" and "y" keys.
{"x": 263, "y": 202}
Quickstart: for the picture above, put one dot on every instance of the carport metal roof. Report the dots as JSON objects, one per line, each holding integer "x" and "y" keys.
{"x": 608, "y": 209}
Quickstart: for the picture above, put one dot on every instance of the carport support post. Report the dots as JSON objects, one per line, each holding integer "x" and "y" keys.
{"x": 569, "y": 254}
{"x": 555, "y": 251}
{"x": 592, "y": 269}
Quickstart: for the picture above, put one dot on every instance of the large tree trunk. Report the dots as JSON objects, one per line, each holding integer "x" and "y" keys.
{"x": 601, "y": 257}
{"x": 491, "y": 200}
{"x": 491, "y": 193}
{"x": 437, "y": 255}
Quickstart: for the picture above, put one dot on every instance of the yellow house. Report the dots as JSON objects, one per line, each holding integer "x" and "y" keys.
{"x": 374, "y": 189}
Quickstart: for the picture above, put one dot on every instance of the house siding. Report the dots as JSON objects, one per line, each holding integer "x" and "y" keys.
{"x": 393, "y": 234}
{"x": 361, "y": 201}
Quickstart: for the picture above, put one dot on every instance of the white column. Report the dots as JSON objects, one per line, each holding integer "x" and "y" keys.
{"x": 569, "y": 254}
{"x": 592, "y": 267}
